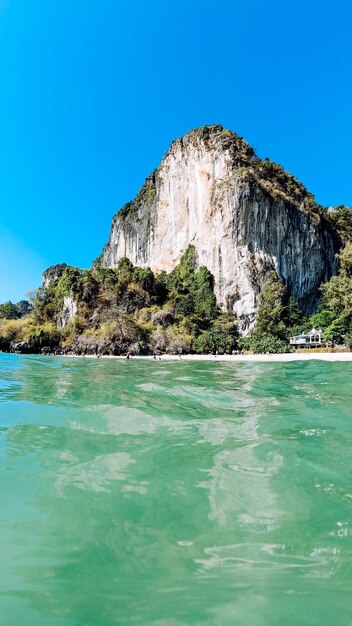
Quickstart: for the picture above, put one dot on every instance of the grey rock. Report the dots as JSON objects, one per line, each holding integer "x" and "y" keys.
{"x": 52, "y": 273}
{"x": 46, "y": 350}
{"x": 20, "y": 347}
{"x": 243, "y": 217}
{"x": 69, "y": 310}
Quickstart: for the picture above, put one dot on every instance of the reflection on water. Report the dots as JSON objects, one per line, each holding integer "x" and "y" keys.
{"x": 94, "y": 475}
{"x": 174, "y": 494}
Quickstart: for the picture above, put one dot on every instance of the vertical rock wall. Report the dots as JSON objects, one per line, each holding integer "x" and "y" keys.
{"x": 210, "y": 191}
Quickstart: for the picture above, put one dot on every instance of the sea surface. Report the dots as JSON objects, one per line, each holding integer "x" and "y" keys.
{"x": 175, "y": 493}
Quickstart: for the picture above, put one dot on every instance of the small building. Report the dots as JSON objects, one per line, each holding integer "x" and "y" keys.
{"x": 313, "y": 339}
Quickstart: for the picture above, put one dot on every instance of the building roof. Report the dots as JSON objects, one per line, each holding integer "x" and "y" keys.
{"x": 310, "y": 334}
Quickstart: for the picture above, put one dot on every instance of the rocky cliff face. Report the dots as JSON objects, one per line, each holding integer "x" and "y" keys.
{"x": 244, "y": 216}
{"x": 52, "y": 273}
{"x": 69, "y": 311}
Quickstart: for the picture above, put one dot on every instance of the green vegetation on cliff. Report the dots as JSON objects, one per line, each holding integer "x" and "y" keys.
{"x": 125, "y": 309}
{"x": 131, "y": 309}
{"x": 278, "y": 315}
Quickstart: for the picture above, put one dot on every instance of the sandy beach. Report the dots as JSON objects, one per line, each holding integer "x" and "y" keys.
{"x": 261, "y": 358}
{"x": 239, "y": 358}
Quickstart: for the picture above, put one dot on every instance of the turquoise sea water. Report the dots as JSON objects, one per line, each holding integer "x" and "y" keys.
{"x": 174, "y": 494}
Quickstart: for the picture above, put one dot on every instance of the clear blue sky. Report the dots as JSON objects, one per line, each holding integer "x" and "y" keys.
{"x": 94, "y": 91}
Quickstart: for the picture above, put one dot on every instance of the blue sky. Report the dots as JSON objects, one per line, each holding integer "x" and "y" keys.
{"x": 94, "y": 91}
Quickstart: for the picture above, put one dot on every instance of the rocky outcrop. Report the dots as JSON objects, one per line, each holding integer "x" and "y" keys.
{"x": 53, "y": 273}
{"x": 244, "y": 216}
{"x": 69, "y": 310}
{"x": 19, "y": 347}
{"x": 68, "y": 305}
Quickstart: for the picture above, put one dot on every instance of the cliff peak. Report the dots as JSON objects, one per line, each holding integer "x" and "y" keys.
{"x": 215, "y": 136}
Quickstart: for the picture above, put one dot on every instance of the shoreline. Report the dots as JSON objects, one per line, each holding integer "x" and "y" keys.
{"x": 232, "y": 358}
{"x": 286, "y": 357}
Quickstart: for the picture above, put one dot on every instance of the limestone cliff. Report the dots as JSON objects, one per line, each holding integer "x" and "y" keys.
{"x": 245, "y": 217}
{"x": 52, "y": 273}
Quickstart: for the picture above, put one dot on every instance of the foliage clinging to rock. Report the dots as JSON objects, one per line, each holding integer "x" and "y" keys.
{"x": 127, "y": 309}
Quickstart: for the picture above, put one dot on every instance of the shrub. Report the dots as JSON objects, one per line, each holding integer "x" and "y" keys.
{"x": 212, "y": 341}
{"x": 348, "y": 341}
{"x": 264, "y": 344}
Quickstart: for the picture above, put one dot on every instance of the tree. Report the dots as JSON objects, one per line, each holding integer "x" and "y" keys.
{"x": 23, "y": 307}
{"x": 202, "y": 293}
{"x": 263, "y": 344}
{"x": 337, "y": 299}
{"x": 125, "y": 270}
{"x": 341, "y": 219}
{"x": 213, "y": 341}
{"x": 145, "y": 278}
{"x": 272, "y": 314}
{"x": 294, "y": 317}
{"x": 179, "y": 281}
{"x": 221, "y": 337}
{"x": 276, "y": 312}
{"x": 9, "y": 311}
{"x": 191, "y": 291}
